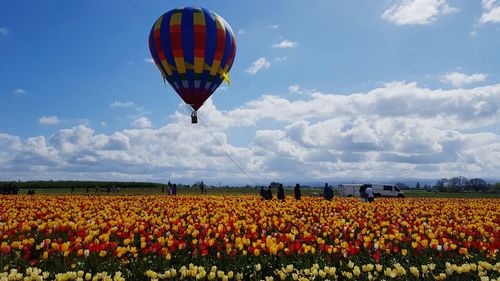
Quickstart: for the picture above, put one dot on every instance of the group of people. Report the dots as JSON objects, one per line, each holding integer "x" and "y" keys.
{"x": 172, "y": 189}
{"x": 365, "y": 192}
{"x": 267, "y": 194}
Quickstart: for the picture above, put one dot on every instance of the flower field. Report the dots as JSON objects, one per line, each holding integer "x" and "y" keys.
{"x": 244, "y": 238}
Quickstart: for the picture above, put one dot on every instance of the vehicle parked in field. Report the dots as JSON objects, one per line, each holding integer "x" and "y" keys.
{"x": 379, "y": 190}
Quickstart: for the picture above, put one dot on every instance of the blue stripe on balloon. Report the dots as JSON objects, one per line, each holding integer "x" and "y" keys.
{"x": 227, "y": 48}
{"x": 187, "y": 26}
{"x": 215, "y": 83}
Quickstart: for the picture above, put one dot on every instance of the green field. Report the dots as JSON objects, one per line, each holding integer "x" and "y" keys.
{"x": 434, "y": 194}
{"x": 236, "y": 191}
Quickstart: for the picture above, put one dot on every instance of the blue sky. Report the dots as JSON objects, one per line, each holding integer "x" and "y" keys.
{"x": 320, "y": 90}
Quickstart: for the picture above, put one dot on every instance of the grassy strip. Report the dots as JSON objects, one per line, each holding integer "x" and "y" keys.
{"x": 238, "y": 191}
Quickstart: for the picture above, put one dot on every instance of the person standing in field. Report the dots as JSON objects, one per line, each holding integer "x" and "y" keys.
{"x": 369, "y": 194}
{"x": 174, "y": 189}
{"x": 269, "y": 193}
{"x": 362, "y": 193}
{"x": 296, "y": 192}
{"x": 281, "y": 193}
{"x": 262, "y": 193}
{"x": 328, "y": 192}
{"x": 203, "y": 188}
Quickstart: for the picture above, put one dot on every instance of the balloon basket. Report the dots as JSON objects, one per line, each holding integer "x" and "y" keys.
{"x": 194, "y": 118}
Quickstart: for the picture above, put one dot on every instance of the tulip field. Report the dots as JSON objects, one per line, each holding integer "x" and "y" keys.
{"x": 156, "y": 237}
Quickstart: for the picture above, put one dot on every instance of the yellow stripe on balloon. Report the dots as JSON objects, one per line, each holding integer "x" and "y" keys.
{"x": 215, "y": 67}
{"x": 223, "y": 74}
{"x": 166, "y": 66}
{"x": 198, "y": 18}
{"x": 198, "y": 64}
{"x": 176, "y": 18}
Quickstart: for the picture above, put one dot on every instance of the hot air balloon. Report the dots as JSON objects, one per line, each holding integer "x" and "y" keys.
{"x": 194, "y": 49}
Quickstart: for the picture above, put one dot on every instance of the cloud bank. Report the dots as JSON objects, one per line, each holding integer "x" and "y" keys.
{"x": 399, "y": 130}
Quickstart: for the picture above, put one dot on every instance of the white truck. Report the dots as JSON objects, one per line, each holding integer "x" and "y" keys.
{"x": 379, "y": 190}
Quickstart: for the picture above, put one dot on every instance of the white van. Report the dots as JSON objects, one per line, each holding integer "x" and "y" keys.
{"x": 379, "y": 190}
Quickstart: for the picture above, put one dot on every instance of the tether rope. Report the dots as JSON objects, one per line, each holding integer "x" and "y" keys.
{"x": 225, "y": 152}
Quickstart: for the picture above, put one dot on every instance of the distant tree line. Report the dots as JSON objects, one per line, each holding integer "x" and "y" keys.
{"x": 77, "y": 184}
{"x": 462, "y": 184}
{"x": 10, "y": 187}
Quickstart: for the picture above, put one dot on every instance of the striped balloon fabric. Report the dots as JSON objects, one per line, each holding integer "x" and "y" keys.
{"x": 194, "y": 49}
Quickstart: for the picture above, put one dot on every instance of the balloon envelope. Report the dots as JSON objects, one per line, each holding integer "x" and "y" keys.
{"x": 194, "y": 49}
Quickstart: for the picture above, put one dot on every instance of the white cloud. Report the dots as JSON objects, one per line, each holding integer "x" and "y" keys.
{"x": 402, "y": 128}
{"x": 491, "y": 16}
{"x": 104, "y": 124}
{"x": 139, "y": 111}
{"x": 280, "y": 59}
{"x": 241, "y": 31}
{"x": 49, "y": 120}
{"x": 261, "y": 63}
{"x": 117, "y": 104}
{"x": 294, "y": 89}
{"x": 19, "y": 91}
{"x": 133, "y": 110}
{"x": 285, "y": 44}
{"x": 414, "y": 12}
{"x": 491, "y": 12}
{"x": 488, "y": 4}
{"x": 142, "y": 123}
{"x": 149, "y": 60}
{"x": 273, "y": 26}
{"x": 458, "y": 79}
{"x": 4, "y": 31}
